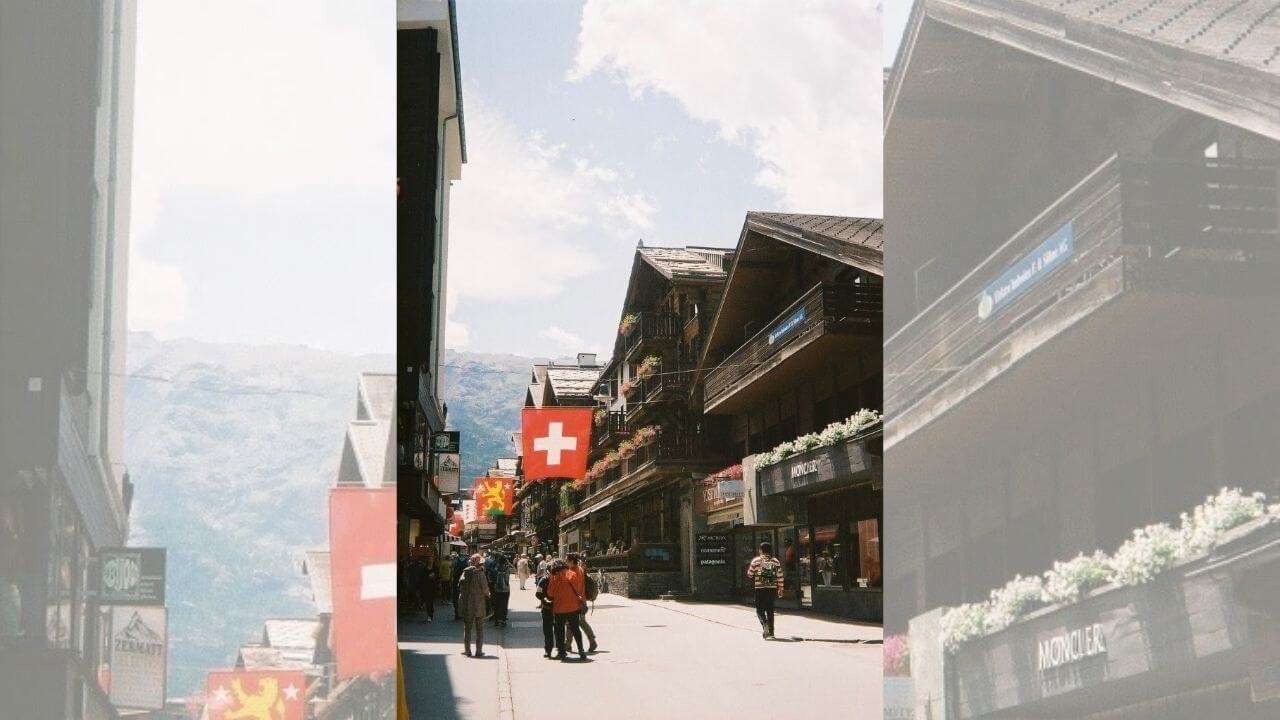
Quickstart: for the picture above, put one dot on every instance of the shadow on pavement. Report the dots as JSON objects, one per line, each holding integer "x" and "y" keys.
{"x": 430, "y": 687}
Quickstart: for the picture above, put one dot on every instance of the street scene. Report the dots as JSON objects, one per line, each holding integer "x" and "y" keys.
{"x": 656, "y": 659}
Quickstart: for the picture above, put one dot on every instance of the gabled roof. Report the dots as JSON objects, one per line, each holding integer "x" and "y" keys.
{"x": 375, "y": 396}
{"x": 318, "y": 570}
{"x": 685, "y": 263}
{"x": 853, "y": 241}
{"x": 256, "y": 657}
{"x": 366, "y": 454}
{"x": 1220, "y": 58}
{"x": 291, "y": 633}
{"x": 570, "y": 382}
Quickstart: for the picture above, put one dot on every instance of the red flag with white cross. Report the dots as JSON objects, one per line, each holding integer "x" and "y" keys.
{"x": 556, "y": 441}
{"x": 362, "y": 543}
{"x": 267, "y": 694}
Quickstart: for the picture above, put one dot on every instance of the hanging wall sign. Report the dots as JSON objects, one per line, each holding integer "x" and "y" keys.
{"x": 1029, "y": 270}
{"x": 131, "y": 576}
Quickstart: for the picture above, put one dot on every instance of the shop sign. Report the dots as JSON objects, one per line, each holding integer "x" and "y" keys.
{"x": 1032, "y": 268}
{"x": 713, "y": 549}
{"x": 448, "y": 472}
{"x": 131, "y": 576}
{"x": 1070, "y": 647}
{"x": 448, "y": 441}
{"x": 785, "y": 327}
{"x": 139, "y": 650}
{"x": 842, "y": 461}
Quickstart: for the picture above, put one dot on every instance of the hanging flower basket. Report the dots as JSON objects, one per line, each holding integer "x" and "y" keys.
{"x": 628, "y": 386}
{"x": 629, "y": 322}
{"x": 648, "y": 367}
{"x": 645, "y": 435}
{"x": 601, "y": 414}
{"x": 733, "y": 472}
{"x": 626, "y": 449}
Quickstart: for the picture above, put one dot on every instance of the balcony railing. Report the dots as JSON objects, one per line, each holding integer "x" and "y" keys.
{"x": 1130, "y": 221}
{"x": 613, "y": 426}
{"x": 825, "y": 307}
{"x": 652, "y": 327}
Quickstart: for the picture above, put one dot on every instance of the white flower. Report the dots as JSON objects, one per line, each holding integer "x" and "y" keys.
{"x": 1148, "y": 553}
{"x": 1018, "y": 597}
{"x": 962, "y": 624}
{"x": 1070, "y": 580}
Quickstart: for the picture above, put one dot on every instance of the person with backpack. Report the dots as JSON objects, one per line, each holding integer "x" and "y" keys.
{"x": 765, "y": 573}
{"x": 546, "y": 606}
{"x": 566, "y": 589}
{"x": 500, "y": 581}
{"x": 591, "y": 590}
{"x": 459, "y": 564}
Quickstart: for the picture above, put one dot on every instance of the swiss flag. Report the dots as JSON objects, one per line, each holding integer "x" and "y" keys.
{"x": 362, "y": 542}
{"x": 274, "y": 694}
{"x": 556, "y": 442}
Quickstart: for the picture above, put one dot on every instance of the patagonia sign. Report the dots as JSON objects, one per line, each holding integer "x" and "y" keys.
{"x": 1028, "y": 271}
{"x": 1070, "y": 647}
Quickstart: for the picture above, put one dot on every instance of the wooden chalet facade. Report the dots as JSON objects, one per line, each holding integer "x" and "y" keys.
{"x": 794, "y": 346}
{"x": 1083, "y": 202}
{"x": 649, "y": 441}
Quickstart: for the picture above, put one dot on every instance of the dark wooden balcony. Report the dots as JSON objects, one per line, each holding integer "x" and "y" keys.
{"x": 1131, "y": 243}
{"x": 652, "y": 329}
{"x": 825, "y": 311}
{"x": 611, "y": 428}
{"x": 669, "y": 381}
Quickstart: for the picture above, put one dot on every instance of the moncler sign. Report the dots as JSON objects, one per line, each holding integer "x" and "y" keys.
{"x": 1071, "y": 646}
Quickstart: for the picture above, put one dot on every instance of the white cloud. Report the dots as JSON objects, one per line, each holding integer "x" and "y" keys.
{"x": 457, "y": 335}
{"x": 528, "y": 217}
{"x": 563, "y": 339}
{"x": 158, "y": 296}
{"x": 799, "y": 84}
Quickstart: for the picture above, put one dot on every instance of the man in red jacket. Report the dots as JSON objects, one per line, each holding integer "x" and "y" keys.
{"x": 567, "y": 591}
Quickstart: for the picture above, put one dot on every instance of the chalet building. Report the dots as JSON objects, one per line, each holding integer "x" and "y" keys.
{"x": 1081, "y": 342}
{"x": 66, "y": 124}
{"x": 793, "y": 346}
{"x": 430, "y": 151}
{"x": 648, "y": 442}
{"x": 538, "y": 503}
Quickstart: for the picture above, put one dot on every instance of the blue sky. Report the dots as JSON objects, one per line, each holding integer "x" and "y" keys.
{"x": 263, "y": 211}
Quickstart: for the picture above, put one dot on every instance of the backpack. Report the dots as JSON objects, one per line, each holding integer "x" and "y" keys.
{"x": 592, "y": 588}
{"x": 767, "y": 575}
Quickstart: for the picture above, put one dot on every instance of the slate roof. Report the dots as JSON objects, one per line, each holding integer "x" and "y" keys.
{"x": 686, "y": 263}
{"x": 571, "y": 381}
{"x": 296, "y": 634}
{"x": 1247, "y": 33}
{"x": 319, "y": 572}
{"x": 366, "y": 454}
{"x": 255, "y": 657}
{"x": 851, "y": 240}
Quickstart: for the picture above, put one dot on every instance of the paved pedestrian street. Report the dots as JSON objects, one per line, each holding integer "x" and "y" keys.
{"x": 657, "y": 659}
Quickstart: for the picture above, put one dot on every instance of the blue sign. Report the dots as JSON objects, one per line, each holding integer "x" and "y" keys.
{"x": 791, "y": 323}
{"x": 1029, "y": 270}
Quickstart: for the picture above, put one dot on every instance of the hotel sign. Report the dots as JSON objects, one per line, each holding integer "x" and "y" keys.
{"x": 1029, "y": 270}
{"x": 138, "y": 658}
{"x": 785, "y": 327}
{"x": 131, "y": 576}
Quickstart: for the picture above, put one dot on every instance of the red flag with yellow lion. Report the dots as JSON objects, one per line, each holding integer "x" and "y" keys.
{"x": 257, "y": 695}
{"x": 493, "y": 496}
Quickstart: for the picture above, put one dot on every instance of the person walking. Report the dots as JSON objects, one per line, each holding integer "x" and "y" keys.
{"x": 547, "y": 608}
{"x": 501, "y": 584}
{"x": 566, "y": 589}
{"x": 473, "y": 592}
{"x": 459, "y": 564}
{"x": 427, "y": 583}
{"x": 444, "y": 573}
{"x": 765, "y": 573}
{"x": 522, "y": 569}
{"x": 582, "y": 614}
{"x": 543, "y": 567}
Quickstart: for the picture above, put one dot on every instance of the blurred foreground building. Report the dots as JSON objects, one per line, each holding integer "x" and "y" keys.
{"x": 1082, "y": 341}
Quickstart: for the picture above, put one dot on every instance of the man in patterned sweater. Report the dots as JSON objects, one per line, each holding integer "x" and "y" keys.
{"x": 765, "y": 572}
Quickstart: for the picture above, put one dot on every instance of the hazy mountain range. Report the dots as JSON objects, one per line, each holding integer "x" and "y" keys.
{"x": 232, "y": 449}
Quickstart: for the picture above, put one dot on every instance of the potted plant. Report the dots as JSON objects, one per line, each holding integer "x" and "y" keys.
{"x": 628, "y": 323}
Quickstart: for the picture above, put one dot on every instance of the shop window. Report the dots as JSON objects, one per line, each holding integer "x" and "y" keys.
{"x": 869, "y": 551}
{"x": 828, "y": 558}
{"x": 20, "y": 571}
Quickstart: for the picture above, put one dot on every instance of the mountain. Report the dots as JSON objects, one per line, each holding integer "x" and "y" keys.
{"x": 484, "y": 394}
{"x": 232, "y": 449}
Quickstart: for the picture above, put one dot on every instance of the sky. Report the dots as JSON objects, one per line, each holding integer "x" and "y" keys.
{"x": 262, "y": 207}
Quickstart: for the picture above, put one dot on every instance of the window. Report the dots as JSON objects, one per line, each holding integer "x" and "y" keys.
{"x": 869, "y": 551}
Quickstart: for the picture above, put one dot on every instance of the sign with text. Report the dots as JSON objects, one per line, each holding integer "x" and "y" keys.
{"x": 712, "y": 548}
{"x": 784, "y": 328}
{"x": 131, "y": 576}
{"x": 448, "y": 472}
{"x": 139, "y": 651}
{"x": 447, "y": 441}
{"x": 1029, "y": 270}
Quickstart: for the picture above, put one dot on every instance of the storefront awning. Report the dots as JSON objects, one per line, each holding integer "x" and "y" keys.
{"x": 594, "y": 508}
